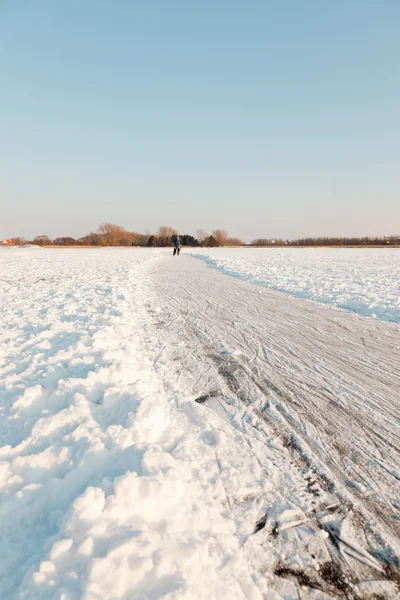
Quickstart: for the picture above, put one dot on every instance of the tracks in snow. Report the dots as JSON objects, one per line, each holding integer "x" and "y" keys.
{"x": 323, "y": 382}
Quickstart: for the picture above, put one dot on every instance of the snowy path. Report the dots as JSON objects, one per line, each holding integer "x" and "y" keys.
{"x": 324, "y": 381}
{"x": 169, "y": 432}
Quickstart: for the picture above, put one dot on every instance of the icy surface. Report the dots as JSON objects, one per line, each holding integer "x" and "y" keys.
{"x": 365, "y": 281}
{"x": 143, "y": 452}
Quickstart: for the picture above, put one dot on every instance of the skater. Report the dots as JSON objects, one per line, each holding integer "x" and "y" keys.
{"x": 177, "y": 244}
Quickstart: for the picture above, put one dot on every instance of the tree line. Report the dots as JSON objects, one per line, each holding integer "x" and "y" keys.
{"x": 109, "y": 234}
{"x": 392, "y": 240}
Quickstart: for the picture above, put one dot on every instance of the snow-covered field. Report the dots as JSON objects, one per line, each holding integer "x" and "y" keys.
{"x": 170, "y": 432}
{"x": 366, "y": 281}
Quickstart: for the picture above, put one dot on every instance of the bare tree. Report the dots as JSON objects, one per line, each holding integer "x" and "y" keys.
{"x": 42, "y": 240}
{"x": 233, "y": 242}
{"x": 110, "y": 233}
{"x": 114, "y": 235}
{"x": 164, "y": 235}
{"x": 92, "y": 239}
{"x": 201, "y": 234}
{"x": 220, "y": 235}
{"x": 18, "y": 241}
{"x": 65, "y": 241}
{"x": 165, "y": 231}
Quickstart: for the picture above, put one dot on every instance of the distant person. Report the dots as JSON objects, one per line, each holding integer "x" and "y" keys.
{"x": 177, "y": 244}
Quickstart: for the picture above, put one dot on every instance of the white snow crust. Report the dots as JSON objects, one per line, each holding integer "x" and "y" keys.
{"x": 365, "y": 281}
{"x": 151, "y": 416}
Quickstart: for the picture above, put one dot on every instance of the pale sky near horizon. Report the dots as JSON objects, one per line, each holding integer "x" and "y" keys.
{"x": 266, "y": 118}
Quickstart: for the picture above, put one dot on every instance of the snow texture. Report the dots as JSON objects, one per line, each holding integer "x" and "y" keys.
{"x": 365, "y": 281}
{"x": 169, "y": 432}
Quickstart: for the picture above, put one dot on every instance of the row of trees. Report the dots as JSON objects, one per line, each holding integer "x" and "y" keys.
{"x": 393, "y": 240}
{"x": 109, "y": 234}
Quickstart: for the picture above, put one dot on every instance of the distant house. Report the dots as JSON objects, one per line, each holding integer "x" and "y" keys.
{"x": 6, "y": 243}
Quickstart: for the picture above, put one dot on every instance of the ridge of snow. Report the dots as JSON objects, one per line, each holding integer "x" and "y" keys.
{"x": 365, "y": 281}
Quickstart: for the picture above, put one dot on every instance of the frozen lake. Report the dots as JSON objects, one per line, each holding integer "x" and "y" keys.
{"x": 168, "y": 431}
{"x": 365, "y": 281}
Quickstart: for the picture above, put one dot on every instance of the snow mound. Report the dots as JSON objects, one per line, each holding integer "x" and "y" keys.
{"x": 107, "y": 490}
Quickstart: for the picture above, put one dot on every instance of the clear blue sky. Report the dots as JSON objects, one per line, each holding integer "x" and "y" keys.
{"x": 266, "y": 118}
